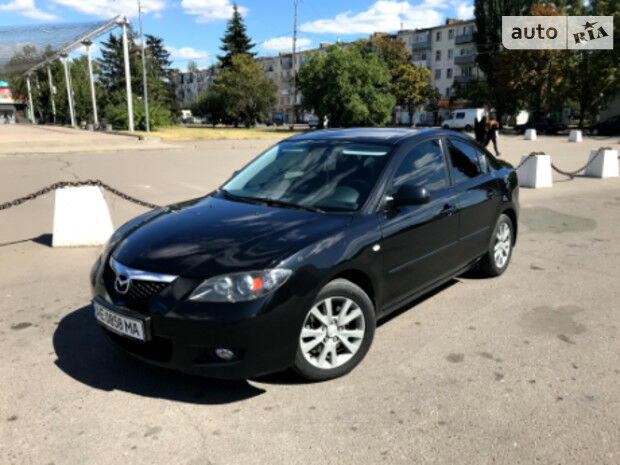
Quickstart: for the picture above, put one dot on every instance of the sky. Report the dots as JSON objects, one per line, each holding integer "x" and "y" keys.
{"x": 192, "y": 29}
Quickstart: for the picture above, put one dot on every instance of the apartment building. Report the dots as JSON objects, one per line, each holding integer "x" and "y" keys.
{"x": 280, "y": 68}
{"x": 191, "y": 83}
{"x": 449, "y": 51}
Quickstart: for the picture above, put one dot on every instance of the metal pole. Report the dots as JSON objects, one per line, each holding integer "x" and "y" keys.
{"x": 52, "y": 92}
{"x": 87, "y": 44}
{"x": 294, "y": 50}
{"x": 30, "y": 104}
{"x": 146, "y": 97}
{"x": 65, "y": 62}
{"x": 127, "y": 77}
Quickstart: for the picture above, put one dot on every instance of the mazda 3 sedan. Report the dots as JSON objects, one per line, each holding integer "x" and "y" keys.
{"x": 292, "y": 261}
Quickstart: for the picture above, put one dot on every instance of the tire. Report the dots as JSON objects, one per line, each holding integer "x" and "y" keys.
{"x": 497, "y": 258}
{"x": 468, "y": 128}
{"x": 445, "y": 126}
{"x": 317, "y": 362}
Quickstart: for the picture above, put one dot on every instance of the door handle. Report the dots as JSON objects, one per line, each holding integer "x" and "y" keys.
{"x": 491, "y": 194}
{"x": 448, "y": 210}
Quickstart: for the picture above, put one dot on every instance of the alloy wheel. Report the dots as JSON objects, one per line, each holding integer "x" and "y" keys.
{"x": 332, "y": 332}
{"x": 501, "y": 249}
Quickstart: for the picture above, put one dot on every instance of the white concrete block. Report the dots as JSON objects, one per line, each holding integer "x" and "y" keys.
{"x": 535, "y": 172}
{"x": 530, "y": 134}
{"x": 605, "y": 165}
{"x": 81, "y": 217}
{"x": 574, "y": 136}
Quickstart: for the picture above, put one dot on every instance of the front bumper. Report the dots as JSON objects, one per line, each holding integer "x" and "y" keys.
{"x": 263, "y": 344}
{"x": 183, "y": 335}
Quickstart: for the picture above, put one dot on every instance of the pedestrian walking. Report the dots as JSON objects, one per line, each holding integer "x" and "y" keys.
{"x": 492, "y": 126}
{"x": 480, "y": 128}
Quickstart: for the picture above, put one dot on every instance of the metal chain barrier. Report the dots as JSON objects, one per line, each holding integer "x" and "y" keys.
{"x": 570, "y": 174}
{"x": 531, "y": 155}
{"x": 62, "y": 184}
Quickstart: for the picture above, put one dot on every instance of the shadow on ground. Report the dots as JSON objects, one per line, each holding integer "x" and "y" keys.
{"x": 86, "y": 354}
{"x": 43, "y": 239}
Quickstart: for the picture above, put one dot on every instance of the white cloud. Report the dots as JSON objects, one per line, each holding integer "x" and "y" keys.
{"x": 285, "y": 44}
{"x": 210, "y": 10}
{"x": 187, "y": 53}
{"x": 464, "y": 10}
{"x": 384, "y": 15}
{"x": 110, "y": 8}
{"x": 28, "y": 9}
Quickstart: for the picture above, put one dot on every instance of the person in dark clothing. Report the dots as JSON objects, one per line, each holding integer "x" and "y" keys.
{"x": 480, "y": 130}
{"x": 491, "y": 133}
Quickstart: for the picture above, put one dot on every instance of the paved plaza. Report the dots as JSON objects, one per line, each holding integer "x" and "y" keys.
{"x": 523, "y": 369}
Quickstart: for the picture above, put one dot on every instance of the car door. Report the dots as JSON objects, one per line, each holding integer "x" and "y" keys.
{"x": 477, "y": 197}
{"x": 419, "y": 241}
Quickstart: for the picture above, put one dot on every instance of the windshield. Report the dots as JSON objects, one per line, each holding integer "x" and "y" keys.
{"x": 325, "y": 175}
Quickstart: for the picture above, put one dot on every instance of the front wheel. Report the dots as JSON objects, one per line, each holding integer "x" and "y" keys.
{"x": 496, "y": 260}
{"x": 336, "y": 333}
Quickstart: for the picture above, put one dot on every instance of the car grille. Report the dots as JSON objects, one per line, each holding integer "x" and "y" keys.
{"x": 140, "y": 290}
{"x": 137, "y": 295}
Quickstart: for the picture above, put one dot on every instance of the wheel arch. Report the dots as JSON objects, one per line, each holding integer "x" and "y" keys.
{"x": 362, "y": 280}
{"x": 512, "y": 214}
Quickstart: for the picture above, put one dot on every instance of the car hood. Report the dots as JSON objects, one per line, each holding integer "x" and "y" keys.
{"x": 212, "y": 235}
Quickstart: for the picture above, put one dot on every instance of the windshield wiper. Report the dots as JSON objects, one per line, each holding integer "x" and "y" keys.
{"x": 268, "y": 201}
{"x": 283, "y": 203}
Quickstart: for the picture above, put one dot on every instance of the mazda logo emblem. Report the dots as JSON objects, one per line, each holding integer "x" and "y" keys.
{"x": 122, "y": 283}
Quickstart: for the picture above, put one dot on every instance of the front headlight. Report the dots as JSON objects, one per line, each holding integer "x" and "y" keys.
{"x": 239, "y": 287}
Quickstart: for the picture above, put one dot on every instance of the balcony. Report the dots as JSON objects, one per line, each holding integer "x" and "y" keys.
{"x": 462, "y": 79}
{"x": 425, "y": 44}
{"x": 465, "y": 59}
{"x": 464, "y": 38}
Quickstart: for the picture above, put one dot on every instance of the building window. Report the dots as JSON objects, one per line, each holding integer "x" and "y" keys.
{"x": 437, "y": 74}
{"x": 450, "y": 33}
{"x": 438, "y": 36}
{"x": 438, "y": 55}
{"x": 450, "y": 54}
{"x": 447, "y": 92}
{"x": 449, "y": 73}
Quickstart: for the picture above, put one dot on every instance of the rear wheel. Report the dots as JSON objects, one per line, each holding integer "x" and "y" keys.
{"x": 336, "y": 333}
{"x": 468, "y": 127}
{"x": 496, "y": 260}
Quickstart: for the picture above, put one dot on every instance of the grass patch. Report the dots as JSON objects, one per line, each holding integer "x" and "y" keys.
{"x": 206, "y": 133}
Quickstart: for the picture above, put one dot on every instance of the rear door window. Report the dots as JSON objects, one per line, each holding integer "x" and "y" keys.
{"x": 464, "y": 159}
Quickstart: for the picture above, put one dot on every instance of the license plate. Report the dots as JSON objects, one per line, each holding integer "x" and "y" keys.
{"x": 120, "y": 324}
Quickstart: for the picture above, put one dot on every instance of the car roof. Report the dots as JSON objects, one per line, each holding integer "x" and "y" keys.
{"x": 378, "y": 135}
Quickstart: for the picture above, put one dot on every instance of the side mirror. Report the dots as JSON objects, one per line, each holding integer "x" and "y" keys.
{"x": 411, "y": 195}
{"x": 235, "y": 173}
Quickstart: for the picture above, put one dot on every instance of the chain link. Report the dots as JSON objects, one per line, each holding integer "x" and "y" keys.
{"x": 62, "y": 184}
{"x": 570, "y": 174}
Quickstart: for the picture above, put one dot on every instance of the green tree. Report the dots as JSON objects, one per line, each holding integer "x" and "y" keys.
{"x": 242, "y": 94}
{"x": 412, "y": 87}
{"x": 349, "y": 87}
{"x": 163, "y": 104}
{"x": 159, "y": 73}
{"x": 595, "y": 74}
{"x": 235, "y": 40}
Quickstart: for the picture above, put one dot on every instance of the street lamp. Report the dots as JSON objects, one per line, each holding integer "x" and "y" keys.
{"x": 146, "y": 98}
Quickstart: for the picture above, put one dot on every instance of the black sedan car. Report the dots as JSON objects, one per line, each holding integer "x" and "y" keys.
{"x": 609, "y": 127}
{"x": 292, "y": 261}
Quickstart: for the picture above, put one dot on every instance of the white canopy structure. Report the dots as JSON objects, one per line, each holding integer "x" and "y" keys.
{"x": 25, "y": 49}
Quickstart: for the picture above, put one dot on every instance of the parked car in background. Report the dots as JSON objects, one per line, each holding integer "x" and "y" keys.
{"x": 542, "y": 124}
{"x": 313, "y": 121}
{"x": 609, "y": 127}
{"x": 463, "y": 119}
{"x": 292, "y": 261}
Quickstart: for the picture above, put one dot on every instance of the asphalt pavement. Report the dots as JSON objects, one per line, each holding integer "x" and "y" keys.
{"x": 520, "y": 369}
